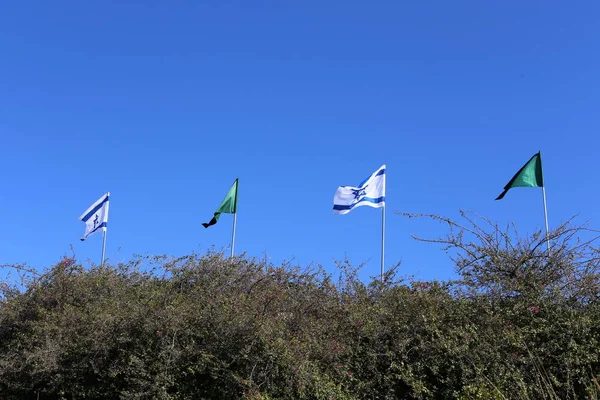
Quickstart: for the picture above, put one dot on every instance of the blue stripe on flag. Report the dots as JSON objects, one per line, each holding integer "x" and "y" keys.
{"x": 380, "y": 172}
{"x": 94, "y": 210}
{"x": 102, "y": 225}
{"x": 364, "y": 199}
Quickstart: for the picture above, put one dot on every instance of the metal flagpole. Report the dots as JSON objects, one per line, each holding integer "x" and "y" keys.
{"x": 103, "y": 247}
{"x": 382, "y": 241}
{"x": 546, "y": 216}
{"x": 236, "y": 183}
{"x": 233, "y": 233}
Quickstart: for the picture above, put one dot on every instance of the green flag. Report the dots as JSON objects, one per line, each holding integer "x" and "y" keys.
{"x": 530, "y": 175}
{"x": 228, "y": 206}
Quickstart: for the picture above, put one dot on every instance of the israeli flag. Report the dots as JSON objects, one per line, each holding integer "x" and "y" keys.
{"x": 96, "y": 217}
{"x": 371, "y": 192}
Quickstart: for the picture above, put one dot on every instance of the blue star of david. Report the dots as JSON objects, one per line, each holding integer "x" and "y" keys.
{"x": 359, "y": 192}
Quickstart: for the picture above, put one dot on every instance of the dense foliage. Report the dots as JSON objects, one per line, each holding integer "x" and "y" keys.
{"x": 521, "y": 322}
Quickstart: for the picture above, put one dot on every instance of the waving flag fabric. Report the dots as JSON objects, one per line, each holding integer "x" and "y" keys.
{"x": 96, "y": 217}
{"x": 530, "y": 175}
{"x": 228, "y": 205}
{"x": 371, "y": 192}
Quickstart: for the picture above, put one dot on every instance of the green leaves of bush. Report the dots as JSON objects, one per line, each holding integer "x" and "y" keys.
{"x": 519, "y": 323}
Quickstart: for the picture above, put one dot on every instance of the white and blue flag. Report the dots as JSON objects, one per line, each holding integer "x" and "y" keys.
{"x": 371, "y": 192}
{"x": 96, "y": 217}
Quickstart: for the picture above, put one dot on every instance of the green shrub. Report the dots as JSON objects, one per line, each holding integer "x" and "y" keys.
{"x": 519, "y": 323}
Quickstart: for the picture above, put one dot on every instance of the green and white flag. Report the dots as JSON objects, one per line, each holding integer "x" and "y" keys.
{"x": 530, "y": 175}
{"x": 228, "y": 206}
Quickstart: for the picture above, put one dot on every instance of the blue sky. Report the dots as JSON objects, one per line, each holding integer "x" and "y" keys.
{"x": 165, "y": 103}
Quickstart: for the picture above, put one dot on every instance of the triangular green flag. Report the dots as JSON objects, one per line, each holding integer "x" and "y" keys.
{"x": 228, "y": 206}
{"x": 530, "y": 175}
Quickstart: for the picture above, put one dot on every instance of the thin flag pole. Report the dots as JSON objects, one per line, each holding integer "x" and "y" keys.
{"x": 237, "y": 187}
{"x": 382, "y": 241}
{"x": 103, "y": 247}
{"x": 233, "y": 233}
{"x": 546, "y": 217}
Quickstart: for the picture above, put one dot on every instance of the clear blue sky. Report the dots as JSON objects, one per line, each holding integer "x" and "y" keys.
{"x": 165, "y": 103}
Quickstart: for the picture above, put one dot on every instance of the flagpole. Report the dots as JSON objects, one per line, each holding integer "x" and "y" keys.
{"x": 233, "y": 233}
{"x": 103, "y": 247}
{"x": 546, "y": 217}
{"x": 382, "y": 241}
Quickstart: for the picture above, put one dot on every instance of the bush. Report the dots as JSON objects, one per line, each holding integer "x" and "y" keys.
{"x": 521, "y": 322}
